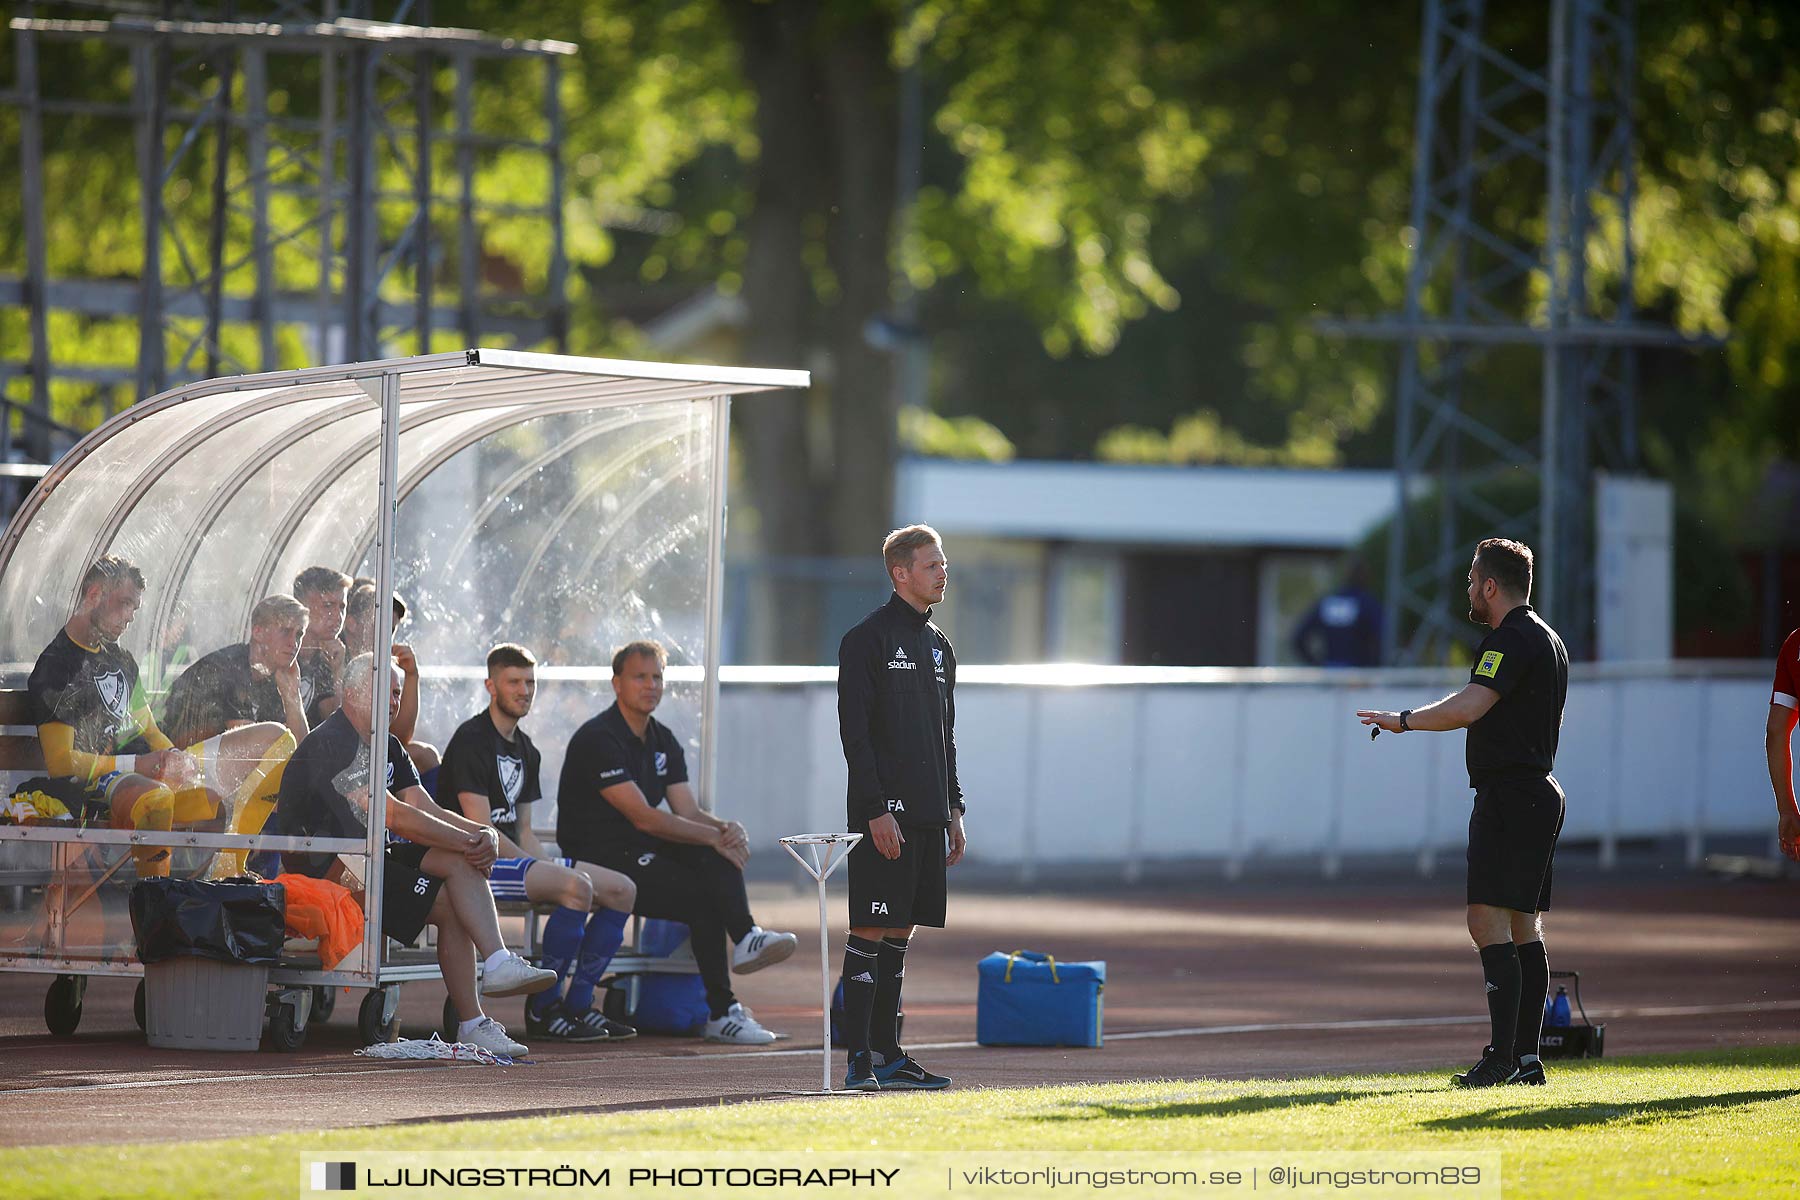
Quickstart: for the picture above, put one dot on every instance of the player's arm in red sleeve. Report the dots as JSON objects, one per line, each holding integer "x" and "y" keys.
{"x": 1778, "y": 741}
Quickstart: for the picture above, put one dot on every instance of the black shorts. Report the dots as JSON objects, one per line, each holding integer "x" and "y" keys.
{"x": 407, "y": 892}
{"x": 897, "y": 892}
{"x": 1512, "y": 839}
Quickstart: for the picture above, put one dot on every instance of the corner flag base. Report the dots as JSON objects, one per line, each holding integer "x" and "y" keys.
{"x": 819, "y": 854}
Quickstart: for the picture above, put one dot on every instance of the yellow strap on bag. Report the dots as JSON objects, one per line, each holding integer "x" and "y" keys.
{"x": 1014, "y": 957}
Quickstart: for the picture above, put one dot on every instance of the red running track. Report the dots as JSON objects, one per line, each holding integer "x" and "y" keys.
{"x": 1256, "y": 979}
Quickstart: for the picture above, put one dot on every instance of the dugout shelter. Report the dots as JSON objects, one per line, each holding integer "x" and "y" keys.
{"x": 569, "y": 504}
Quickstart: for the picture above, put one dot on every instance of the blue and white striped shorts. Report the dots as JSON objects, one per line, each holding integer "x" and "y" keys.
{"x": 507, "y": 879}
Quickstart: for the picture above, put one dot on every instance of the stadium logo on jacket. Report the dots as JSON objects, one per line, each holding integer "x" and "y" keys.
{"x": 900, "y": 663}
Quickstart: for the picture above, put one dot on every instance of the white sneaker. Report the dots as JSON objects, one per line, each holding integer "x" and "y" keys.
{"x": 515, "y": 977}
{"x": 760, "y": 949}
{"x": 738, "y": 1028}
{"x": 491, "y": 1036}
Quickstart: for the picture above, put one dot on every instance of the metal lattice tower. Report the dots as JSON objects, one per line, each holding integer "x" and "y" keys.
{"x": 1523, "y": 182}
{"x": 305, "y": 185}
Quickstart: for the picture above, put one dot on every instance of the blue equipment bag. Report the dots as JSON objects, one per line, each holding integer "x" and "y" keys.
{"x": 674, "y": 1004}
{"x": 660, "y": 938}
{"x": 1029, "y": 999}
{"x": 670, "y": 1004}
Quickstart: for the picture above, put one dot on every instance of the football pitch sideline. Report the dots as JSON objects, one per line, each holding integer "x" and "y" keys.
{"x": 1720, "y": 1123}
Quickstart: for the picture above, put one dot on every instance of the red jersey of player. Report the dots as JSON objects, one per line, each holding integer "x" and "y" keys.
{"x": 1784, "y": 712}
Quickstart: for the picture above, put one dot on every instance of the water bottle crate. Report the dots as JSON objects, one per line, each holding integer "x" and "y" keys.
{"x": 1572, "y": 1041}
{"x": 1563, "y": 1037}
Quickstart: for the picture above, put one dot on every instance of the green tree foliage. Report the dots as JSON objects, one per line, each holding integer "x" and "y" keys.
{"x": 1294, "y": 212}
{"x": 1710, "y": 592}
{"x": 925, "y": 432}
{"x": 1131, "y": 215}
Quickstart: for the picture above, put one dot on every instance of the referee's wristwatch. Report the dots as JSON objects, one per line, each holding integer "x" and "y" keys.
{"x": 1404, "y": 727}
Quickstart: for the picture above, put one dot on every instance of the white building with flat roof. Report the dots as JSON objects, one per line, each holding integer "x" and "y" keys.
{"x": 1096, "y": 562}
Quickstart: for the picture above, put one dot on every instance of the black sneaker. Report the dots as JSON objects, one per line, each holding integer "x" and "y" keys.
{"x": 1531, "y": 1074}
{"x": 1493, "y": 1070}
{"x": 555, "y": 1026}
{"x": 859, "y": 1076}
{"x": 608, "y": 1029}
{"x": 904, "y": 1074}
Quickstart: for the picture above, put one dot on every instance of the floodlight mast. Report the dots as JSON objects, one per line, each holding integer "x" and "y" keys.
{"x": 202, "y": 86}
{"x": 1477, "y": 284}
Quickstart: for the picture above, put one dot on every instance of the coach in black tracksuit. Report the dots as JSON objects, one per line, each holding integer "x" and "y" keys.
{"x": 1513, "y": 709}
{"x": 897, "y": 719}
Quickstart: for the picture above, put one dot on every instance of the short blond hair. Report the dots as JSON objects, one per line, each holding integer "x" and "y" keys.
{"x": 898, "y": 548}
{"x": 280, "y": 607}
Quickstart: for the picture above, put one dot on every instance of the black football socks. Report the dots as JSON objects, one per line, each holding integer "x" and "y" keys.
{"x": 1500, "y": 967}
{"x": 1534, "y": 986}
{"x": 884, "y": 1021}
{"x": 861, "y": 965}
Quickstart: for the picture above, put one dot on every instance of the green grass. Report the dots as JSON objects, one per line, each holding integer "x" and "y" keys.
{"x": 1724, "y": 1123}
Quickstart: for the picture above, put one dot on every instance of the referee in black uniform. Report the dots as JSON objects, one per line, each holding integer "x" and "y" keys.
{"x": 1512, "y": 708}
{"x": 897, "y": 719}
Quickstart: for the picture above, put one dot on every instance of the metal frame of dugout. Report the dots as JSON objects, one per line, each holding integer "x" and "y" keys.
{"x": 298, "y": 436}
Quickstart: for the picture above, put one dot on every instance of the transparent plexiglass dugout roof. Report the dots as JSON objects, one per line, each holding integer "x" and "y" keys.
{"x": 567, "y": 504}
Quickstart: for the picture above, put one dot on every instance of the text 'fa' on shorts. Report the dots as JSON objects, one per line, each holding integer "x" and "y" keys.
{"x": 407, "y": 892}
{"x": 1512, "y": 839}
{"x": 507, "y": 879}
{"x": 892, "y": 893}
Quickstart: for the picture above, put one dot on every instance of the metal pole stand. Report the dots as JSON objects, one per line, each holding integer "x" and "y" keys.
{"x": 823, "y": 854}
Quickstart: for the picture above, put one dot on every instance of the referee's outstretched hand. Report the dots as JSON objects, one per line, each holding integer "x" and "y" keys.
{"x": 1789, "y": 834}
{"x": 884, "y": 831}
{"x": 1380, "y": 719}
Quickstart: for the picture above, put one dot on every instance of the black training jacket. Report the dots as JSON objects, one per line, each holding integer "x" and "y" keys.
{"x": 897, "y": 718}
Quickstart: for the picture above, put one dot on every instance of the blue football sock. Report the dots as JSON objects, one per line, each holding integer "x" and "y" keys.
{"x": 605, "y": 931}
{"x": 562, "y": 941}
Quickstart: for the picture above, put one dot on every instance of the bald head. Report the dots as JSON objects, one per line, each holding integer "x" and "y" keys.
{"x": 359, "y": 688}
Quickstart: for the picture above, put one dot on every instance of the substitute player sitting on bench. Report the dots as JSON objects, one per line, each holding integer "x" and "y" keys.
{"x": 253, "y": 683}
{"x": 491, "y": 775}
{"x": 96, "y": 728}
{"x": 437, "y": 876}
{"x": 687, "y": 863}
{"x": 324, "y": 591}
{"x": 359, "y": 638}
